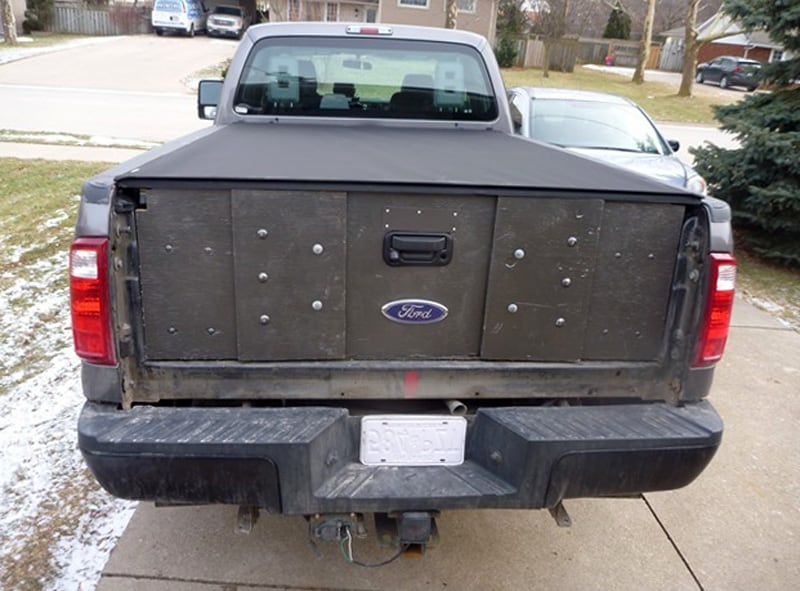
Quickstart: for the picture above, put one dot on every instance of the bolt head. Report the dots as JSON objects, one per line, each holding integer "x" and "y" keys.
{"x": 519, "y": 254}
{"x": 512, "y": 308}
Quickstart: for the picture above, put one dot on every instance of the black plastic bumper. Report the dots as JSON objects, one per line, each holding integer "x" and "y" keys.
{"x": 305, "y": 460}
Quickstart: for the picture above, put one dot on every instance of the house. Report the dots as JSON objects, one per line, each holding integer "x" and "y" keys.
{"x": 19, "y": 7}
{"x": 726, "y": 37}
{"x": 478, "y": 16}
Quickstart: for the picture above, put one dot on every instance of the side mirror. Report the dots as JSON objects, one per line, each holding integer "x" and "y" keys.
{"x": 674, "y": 145}
{"x": 208, "y": 98}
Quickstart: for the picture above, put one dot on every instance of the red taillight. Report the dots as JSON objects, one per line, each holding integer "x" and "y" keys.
{"x": 737, "y": 69}
{"x": 717, "y": 313}
{"x": 88, "y": 286}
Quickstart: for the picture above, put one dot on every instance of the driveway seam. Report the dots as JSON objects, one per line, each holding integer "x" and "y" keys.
{"x": 223, "y": 584}
{"x": 673, "y": 543}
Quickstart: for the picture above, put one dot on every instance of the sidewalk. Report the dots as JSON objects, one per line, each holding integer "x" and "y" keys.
{"x": 56, "y": 152}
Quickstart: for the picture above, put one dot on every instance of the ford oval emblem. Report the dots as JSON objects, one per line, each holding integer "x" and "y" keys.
{"x": 414, "y": 311}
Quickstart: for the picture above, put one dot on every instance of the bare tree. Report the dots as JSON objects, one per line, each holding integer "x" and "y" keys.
{"x": 690, "y": 49}
{"x": 551, "y": 24}
{"x": 451, "y": 18}
{"x": 9, "y": 22}
{"x": 691, "y": 46}
{"x": 644, "y": 47}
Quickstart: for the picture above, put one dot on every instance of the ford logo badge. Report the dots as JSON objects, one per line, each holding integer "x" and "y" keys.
{"x": 414, "y": 311}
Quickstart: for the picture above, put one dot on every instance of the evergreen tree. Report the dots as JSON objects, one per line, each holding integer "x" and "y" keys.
{"x": 511, "y": 23}
{"x": 618, "y": 25}
{"x": 761, "y": 179}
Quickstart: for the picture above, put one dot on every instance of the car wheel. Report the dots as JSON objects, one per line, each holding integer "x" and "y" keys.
{"x": 159, "y": 32}
{"x": 723, "y": 82}
{"x": 699, "y": 78}
{"x": 751, "y": 88}
{"x": 191, "y": 30}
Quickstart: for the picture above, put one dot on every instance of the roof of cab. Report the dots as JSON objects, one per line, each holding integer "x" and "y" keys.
{"x": 339, "y": 29}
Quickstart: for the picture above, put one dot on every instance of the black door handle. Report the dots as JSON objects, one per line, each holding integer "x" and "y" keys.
{"x": 419, "y": 249}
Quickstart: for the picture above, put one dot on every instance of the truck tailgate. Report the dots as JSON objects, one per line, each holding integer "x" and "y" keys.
{"x": 263, "y": 275}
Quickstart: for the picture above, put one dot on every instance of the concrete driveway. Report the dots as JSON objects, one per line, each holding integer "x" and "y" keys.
{"x": 130, "y": 87}
{"x": 736, "y": 528}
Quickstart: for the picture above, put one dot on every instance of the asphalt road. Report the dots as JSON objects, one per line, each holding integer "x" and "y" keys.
{"x": 736, "y": 528}
{"x": 131, "y": 88}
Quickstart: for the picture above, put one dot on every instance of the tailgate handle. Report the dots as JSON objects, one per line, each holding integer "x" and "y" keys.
{"x": 417, "y": 249}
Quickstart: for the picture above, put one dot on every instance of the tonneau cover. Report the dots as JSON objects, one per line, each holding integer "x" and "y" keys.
{"x": 369, "y": 155}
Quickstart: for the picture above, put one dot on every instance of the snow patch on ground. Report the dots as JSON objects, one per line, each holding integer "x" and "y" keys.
{"x": 766, "y": 305}
{"x": 74, "y": 140}
{"x": 41, "y": 469}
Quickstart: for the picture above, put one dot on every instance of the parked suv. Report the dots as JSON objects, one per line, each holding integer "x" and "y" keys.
{"x": 730, "y": 71}
{"x": 229, "y": 20}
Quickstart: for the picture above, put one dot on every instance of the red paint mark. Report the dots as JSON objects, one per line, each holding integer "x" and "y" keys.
{"x": 410, "y": 382}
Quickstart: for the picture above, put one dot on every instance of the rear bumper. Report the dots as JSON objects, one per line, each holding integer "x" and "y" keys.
{"x": 305, "y": 460}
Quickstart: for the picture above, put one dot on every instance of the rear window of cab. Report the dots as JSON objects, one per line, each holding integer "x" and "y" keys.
{"x": 365, "y": 78}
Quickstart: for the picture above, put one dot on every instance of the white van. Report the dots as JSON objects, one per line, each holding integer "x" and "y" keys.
{"x": 184, "y": 16}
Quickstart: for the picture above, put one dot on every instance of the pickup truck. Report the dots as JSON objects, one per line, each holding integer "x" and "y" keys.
{"x": 359, "y": 293}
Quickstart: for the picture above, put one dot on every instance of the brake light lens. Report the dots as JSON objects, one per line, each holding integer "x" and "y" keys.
{"x": 90, "y": 305}
{"x": 372, "y": 30}
{"x": 717, "y": 314}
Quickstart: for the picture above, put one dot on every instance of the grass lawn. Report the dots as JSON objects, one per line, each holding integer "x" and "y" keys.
{"x": 658, "y": 99}
{"x": 40, "y": 39}
{"x": 37, "y": 220}
{"x": 37, "y": 211}
{"x": 774, "y": 288}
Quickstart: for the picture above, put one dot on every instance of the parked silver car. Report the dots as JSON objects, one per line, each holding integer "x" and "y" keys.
{"x": 229, "y": 20}
{"x": 603, "y": 126}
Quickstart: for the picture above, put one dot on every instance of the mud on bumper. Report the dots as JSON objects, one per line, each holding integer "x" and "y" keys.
{"x": 305, "y": 460}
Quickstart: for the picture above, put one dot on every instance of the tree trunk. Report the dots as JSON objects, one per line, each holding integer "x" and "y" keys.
{"x": 690, "y": 49}
{"x": 9, "y": 23}
{"x": 647, "y": 37}
{"x": 451, "y": 16}
{"x": 546, "y": 64}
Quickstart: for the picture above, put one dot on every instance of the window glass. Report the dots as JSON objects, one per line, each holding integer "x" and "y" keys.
{"x": 230, "y": 10}
{"x": 366, "y": 78}
{"x": 418, "y": 3}
{"x": 466, "y": 5}
{"x": 168, "y": 6}
{"x": 592, "y": 124}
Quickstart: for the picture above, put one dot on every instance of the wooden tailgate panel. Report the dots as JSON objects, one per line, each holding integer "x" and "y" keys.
{"x": 290, "y": 253}
{"x": 186, "y": 272}
{"x": 580, "y": 280}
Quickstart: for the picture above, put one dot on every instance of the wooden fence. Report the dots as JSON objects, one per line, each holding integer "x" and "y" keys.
{"x": 116, "y": 20}
{"x": 563, "y": 53}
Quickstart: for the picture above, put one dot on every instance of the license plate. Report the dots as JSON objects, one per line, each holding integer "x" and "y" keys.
{"x": 418, "y": 440}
